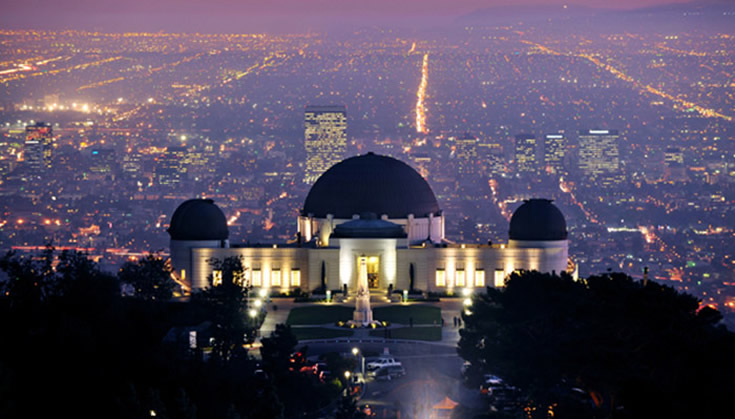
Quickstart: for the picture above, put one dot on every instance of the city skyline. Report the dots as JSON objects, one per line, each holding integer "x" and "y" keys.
{"x": 253, "y": 209}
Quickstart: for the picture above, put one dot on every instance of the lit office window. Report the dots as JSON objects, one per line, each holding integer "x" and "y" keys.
{"x": 459, "y": 277}
{"x": 499, "y": 278}
{"x": 257, "y": 278}
{"x": 441, "y": 278}
{"x": 216, "y": 278}
{"x": 295, "y": 278}
{"x": 276, "y": 278}
{"x": 480, "y": 278}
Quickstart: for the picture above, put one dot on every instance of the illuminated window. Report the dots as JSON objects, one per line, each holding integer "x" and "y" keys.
{"x": 459, "y": 277}
{"x": 257, "y": 278}
{"x": 238, "y": 277}
{"x": 479, "y": 278}
{"x": 295, "y": 278}
{"x": 216, "y": 278}
{"x": 499, "y": 278}
{"x": 276, "y": 278}
{"x": 441, "y": 278}
{"x": 183, "y": 274}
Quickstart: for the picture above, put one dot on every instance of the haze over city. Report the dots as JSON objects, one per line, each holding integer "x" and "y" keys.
{"x": 617, "y": 115}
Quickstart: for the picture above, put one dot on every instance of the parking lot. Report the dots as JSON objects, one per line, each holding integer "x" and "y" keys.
{"x": 432, "y": 372}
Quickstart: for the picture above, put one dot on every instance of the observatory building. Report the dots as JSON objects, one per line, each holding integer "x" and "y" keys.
{"x": 373, "y": 210}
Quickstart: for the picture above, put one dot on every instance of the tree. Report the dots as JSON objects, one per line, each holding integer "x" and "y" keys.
{"x": 347, "y": 408}
{"x": 150, "y": 277}
{"x": 28, "y": 280}
{"x": 635, "y": 349}
{"x": 277, "y": 349}
{"x": 226, "y": 305}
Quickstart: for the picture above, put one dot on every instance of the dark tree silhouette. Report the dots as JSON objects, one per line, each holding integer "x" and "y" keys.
{"x": 149, "y": 277}
{"x": 226, "y": 306}
{"x": 637, "y": 350}
{"x": 347, "y": 409}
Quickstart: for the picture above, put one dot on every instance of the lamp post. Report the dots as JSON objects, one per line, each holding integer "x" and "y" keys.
{"x": 360, "y": 360}
{"x": 348, "y": 385}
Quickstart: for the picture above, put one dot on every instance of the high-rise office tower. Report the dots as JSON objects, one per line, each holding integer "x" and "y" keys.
{"x": 492, "y": 155}
{"x": 525, "y": 153}
{"x": 38, "y": 145}
{"x": 131, "y": 165}
{"x": 466, "y": 154}
{"x": 599, "y": 158}
{"x": 325, "y": 139}
{"x": 171, "y": 169}
{"x": 554, "y": 152}
{"x": 675, "y": 171}
{"x": 103, "y": 162}
{"x": 673, "y": 156}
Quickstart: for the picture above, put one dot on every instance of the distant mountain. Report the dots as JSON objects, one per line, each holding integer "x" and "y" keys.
{"x": 497, "y": 14}
{"x": 717, "y": 13}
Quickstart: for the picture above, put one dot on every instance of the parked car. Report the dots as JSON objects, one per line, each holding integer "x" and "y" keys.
{"x": 382, "y": 362}
{"x": 491, "y": 383}
{"x": 390, "y": 372}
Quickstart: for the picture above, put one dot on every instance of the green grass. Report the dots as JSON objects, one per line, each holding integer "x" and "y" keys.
{"x": 421, "y": 314}
{"x": 319, "y": 315}
{"x": 411, "y": 333}
{"x": 304, "y": 333}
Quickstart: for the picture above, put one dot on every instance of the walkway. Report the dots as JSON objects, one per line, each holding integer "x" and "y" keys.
{"x": 450, "y": 308}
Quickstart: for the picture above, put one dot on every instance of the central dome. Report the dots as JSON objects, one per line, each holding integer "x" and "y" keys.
{"x": 370, "y": 183}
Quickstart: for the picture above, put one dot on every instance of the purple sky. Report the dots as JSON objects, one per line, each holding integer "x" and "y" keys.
{"x": 117, "y": 15}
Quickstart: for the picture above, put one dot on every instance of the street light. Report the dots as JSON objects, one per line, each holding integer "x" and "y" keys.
{"x": 360, "y": 359}
{"x": 253, "y": 313}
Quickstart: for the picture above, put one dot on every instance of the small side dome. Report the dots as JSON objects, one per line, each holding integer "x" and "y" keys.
{"x": 198, "y": 219}
{"x": 538, "y": 220}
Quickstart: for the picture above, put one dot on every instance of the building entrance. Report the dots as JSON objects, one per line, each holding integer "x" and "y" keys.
{"x": 373, "y": 265}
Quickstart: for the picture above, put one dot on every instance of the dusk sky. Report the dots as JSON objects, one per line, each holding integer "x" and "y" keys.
{"x": 219, "y": 15}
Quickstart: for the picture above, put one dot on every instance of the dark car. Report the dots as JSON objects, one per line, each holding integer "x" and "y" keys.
{"x": 390, "y": 372}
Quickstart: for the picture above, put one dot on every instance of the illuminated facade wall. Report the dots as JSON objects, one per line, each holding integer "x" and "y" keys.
{"x": 437, "y": 269}
{"x": 525, "y": 155}
{"x": 325, "y": 132}
{"x": 418, "y": 229}
{"x": 38, "y": 147}
{"x": 599, "y": 159}
{"x": 265, "y": 267}
{"x": 554, "y": 152}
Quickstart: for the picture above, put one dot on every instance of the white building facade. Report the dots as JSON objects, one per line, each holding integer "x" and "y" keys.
{"x": 394, "y": 222}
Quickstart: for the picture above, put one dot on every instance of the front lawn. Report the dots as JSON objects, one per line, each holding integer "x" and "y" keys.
{"x": 421, "y": 314}
{"x": 319, "y": 314}
{"x": 411, "y": 333}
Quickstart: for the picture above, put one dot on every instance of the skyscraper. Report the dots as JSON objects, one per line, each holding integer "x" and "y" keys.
{"x": 170, "y": 169}
{"x": 599, "y": 158}
{"x": 325, "y": 139}
{"x": 37, "y": 150}
{"x": 103, "y": 162}
{"x": 554, "y": 152}
{"x": 525, "y": 153}
{"x": 466, "y": 154}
